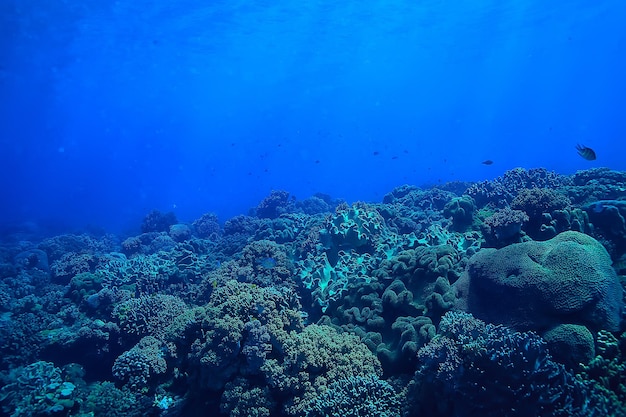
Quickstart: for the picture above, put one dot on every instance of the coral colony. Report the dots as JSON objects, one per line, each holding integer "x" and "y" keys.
{"x": 496, "y": 298}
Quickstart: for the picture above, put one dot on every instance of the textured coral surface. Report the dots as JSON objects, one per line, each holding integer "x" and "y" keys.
{"x": 498, "y": 298}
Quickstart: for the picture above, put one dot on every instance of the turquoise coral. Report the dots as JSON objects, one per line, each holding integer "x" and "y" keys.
{"x": 362, "y": 396}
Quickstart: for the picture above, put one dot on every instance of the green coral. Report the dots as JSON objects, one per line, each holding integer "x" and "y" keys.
{"x": 148, "y": 315}
{"x": 253, "y": 337}
{"x": 222, "y": 328}
{"x": 356, "y": 396}
{"x": 140, "y": 364}
{"x": 240, "y": 399}
{"x": 461, "y": 211}
{"x": 83, "y": 285}
{"x": 353, "y": 243}
{"x": 570, "y": 344}
{"x": 104, "y": 399}
{"x": 311, "y": 359}
{"x": 536, "y": 201}
{"x": 355, "y": 227}
{"x": 328, "y": 283}
{"x": 37, "y": 389}
{"x": 536, "y": 285}
{"x": 608, "y": 368}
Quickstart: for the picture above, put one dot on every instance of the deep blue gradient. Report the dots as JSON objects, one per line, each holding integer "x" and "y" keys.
{"x": 109, "y": 109}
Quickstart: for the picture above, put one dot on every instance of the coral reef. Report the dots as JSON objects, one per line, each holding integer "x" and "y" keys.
{"x": 501, "y": 191}
{"x": 207, "y": 226}
{"x": 137, "y": 367}
{"x": 536, "y": 201}
{"x": 317, "y": 307}
{"x": 249, "y": 333}
{"x": 37, "y": 389}
{"x": 540, "y": 204}
{"x": 504, "y": 227}
{"x": 273, "y": 205}
{"x": 461, "y": 210}
{"x": 608, "y": 220}
{"x": 570, "y": 344}
{"x": 536, "y": 285}
{"x": 364, "y": 396}
{"x": 596, "y": 184}
{"x": 180, "y": 232}
{"x": 608, "y": 367}
{"x": 157, "y": 221}
{"x": 466, "y": 370}
{"x": 147, "y": 315}
{"x": 32, "y": 259}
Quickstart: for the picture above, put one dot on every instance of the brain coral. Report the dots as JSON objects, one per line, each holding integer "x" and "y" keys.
{"x": 536, "y": 285}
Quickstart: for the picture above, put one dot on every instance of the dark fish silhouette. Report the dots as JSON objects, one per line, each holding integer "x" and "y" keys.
{"x": 487, "y": 162}
{"x": 587, "y": 153}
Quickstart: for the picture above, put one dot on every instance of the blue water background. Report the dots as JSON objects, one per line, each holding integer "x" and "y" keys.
{"x": 109, "y": 109}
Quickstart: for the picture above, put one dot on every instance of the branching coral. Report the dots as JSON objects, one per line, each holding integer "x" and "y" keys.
{"x": 207, "y": 226}
{"x": 472, "y": 368}
{"x": 37, "y": 389}
{"x": 363, "y": 396}
{"x": 274, "y": 204}
{"x": 148, "y": 315}
{"x": 504, "y": 227}
{"x": 140, "y": 364}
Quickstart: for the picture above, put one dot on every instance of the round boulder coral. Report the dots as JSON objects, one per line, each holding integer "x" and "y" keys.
{"x": 570, "y": 344}
{"x": 537, "y": 285}
{"x": 461, "y": 210}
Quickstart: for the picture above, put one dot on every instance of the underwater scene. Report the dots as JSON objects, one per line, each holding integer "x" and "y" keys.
{"x": 373, "y": 208}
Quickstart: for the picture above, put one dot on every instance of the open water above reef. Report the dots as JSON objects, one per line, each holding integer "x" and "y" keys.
{"x": 109, "y": 109}
{"x": 302, "y": 209}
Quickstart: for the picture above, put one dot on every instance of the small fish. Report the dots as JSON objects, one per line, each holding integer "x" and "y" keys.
{"x": 587, "y": 153}
{"x": 487, "y": 162}
{"x": 268, "y": 263}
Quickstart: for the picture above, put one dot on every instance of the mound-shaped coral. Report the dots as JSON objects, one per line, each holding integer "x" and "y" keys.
{"x": 249, "y": 338}
{"x": 537, "y": 285}
{"x": 504, "y": 227}
{"x": 140, "y": 364}
{"x": 461, "y": 210}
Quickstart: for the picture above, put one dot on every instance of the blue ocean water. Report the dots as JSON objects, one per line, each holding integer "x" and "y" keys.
{"x": 112, "y": 108}
{"x": 384, "y": 208}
